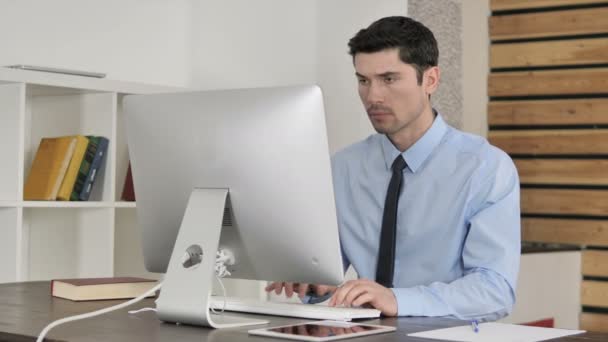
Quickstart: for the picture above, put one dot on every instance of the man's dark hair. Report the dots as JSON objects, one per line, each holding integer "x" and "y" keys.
{"x": 416, "y": 43}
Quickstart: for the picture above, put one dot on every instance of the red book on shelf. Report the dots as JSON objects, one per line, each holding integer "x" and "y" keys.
{"x": 128, "y": 193}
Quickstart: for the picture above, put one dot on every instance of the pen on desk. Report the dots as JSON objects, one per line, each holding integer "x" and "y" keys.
{"x": 475, "y": 326}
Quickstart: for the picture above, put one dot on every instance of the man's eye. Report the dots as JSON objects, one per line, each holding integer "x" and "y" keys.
{"x": 362, "y": 81}
{"x": 389, "y": 79}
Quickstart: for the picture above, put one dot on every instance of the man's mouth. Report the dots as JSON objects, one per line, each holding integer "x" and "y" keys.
{"x": 377, "y": 113}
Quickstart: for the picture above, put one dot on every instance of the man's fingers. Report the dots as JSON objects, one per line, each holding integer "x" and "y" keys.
{"x": 355, "y": 292}
{"x": 363, "y": 299}
{"x": 270, "y": 287}
{"x": 322, "y": 290}
{"x": 302, "y": 289}
{"x": 278, "y": 287}
{"x": 341, "y": 292}
{"x": 289, "y": 289}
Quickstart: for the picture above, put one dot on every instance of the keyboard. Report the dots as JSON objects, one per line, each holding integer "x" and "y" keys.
{"x": 311, "y": 311}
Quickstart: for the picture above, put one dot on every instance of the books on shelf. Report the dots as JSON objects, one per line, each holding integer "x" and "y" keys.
{"x": 128, "y": 191}
{"x": 70, "y": 176}
{"x": 65, "y": 168}
{"x": 82, "y": 289}
{"x": 49, "y": 168}
{"x": 89, "y": 168}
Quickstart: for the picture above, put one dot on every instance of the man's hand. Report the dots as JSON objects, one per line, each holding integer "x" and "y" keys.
{"x": 300, "y": 288}
{"x": 365, "y": 292}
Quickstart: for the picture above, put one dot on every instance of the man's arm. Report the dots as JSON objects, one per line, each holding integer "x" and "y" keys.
{"x": 490, "y": 256}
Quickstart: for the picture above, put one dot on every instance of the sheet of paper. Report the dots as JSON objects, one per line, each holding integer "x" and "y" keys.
{"x": 496, "y": 332}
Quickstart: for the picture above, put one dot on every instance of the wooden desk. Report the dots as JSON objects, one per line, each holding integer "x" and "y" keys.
{"x": 26, "y": 308}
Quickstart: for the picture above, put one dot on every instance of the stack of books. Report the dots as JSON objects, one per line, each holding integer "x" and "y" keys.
{"x": 65, "y": 168}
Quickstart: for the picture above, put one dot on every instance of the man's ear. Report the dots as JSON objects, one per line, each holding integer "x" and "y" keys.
{"x": 430, "y": 80}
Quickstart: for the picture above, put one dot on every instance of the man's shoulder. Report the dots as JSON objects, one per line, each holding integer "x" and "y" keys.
{"x": 357, "y": 150}
{"x": 488, "y": 156}
{"x": 474, "y": 144}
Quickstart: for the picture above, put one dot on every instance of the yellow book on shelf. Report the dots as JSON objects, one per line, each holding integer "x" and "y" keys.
{"x": 70, "y": 176}
{"x": 49, "y": 168}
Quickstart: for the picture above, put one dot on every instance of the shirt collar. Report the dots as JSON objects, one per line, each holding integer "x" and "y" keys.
{"x": 416, "y": 154}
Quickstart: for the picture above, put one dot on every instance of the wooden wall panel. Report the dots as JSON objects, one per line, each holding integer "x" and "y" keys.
{"x": 566, "y": 231}
{"x": 548, "y": 112}
{"x": 595, "y": 263}
{"x": 501, "y": 5}
{"x": 564, "y": 201}
{"x": 563, "y": 171}
{"x": 549, "y": 82}
{"x": 551, "y": 53}
{"x": 552, "y": 142}
{"x": 549, "y": 24}
{"x": 594, "y": 322}
{"x": 594, "y": 293}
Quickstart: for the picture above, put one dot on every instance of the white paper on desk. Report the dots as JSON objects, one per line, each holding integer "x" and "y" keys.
{"x": 496, "y": 332}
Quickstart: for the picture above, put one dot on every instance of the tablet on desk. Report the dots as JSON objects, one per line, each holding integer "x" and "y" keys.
{"x": 322, "y": 330}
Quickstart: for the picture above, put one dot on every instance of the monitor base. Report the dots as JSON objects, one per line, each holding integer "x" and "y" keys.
{"x": 187, "y": 286}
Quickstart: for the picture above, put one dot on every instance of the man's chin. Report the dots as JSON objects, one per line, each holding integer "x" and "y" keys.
{"x": 380, "y": 129}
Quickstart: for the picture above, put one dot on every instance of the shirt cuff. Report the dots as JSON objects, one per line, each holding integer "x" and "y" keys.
{"x": 409, "y": 302}
{"x": 310, "y": 298}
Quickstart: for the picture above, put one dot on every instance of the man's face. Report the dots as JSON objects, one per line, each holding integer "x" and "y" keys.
{"x": 389, "y": 90}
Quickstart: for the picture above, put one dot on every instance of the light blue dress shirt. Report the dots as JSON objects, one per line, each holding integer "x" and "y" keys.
{"x": 458, "y": 224}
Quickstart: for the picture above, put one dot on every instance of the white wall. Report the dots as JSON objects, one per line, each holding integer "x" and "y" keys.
{"x": 259, "y": 43}
{"x": 548, "y": 286}
{"x": 144, "y": 41}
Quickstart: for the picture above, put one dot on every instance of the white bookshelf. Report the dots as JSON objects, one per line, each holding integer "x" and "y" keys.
{"x": 41, "y": 240}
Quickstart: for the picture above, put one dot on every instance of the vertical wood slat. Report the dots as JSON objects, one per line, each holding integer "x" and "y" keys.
{"x": 549, "y": 24}
{"x": 502, "y": 5}
{"x": 551, "y": 53}
{"x": 566, "y": 231}
{"x": 552, "y": 142}
{"x": 594, "y": 293}
{"x": 564, "y": 202}
{"x": 595, "y": 322}
{"x": 563, "y": 171}
{"x": 548, "y": 112}
{"x": 595, "y": 263}
{"x": 549, "y": 82}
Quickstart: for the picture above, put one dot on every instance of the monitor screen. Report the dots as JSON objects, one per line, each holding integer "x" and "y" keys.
{"x": 269, "y": 148}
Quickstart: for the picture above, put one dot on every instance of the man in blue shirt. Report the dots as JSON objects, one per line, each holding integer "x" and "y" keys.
{"x": 444, "y": 239}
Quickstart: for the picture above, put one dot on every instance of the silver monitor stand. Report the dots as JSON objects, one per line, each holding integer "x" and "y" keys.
{"x": 187, "y": 285}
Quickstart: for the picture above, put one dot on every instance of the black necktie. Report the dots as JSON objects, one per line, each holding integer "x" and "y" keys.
{"x": 386, "y": 252}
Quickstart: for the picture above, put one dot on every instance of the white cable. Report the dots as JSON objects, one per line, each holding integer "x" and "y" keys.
{"x": 96, "y": 313}
{"x": 134, "y": 312}
{"x": 222, "y": 257}
{"x": 224, "y": 292}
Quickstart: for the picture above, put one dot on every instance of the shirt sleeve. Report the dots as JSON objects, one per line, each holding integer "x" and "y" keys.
{"x": 490, "y": 256}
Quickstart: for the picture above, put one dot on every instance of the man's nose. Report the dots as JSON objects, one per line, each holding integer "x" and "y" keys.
{"x": 375, "y": 93}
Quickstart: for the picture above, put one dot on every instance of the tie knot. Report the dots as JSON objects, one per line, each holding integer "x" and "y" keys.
{"x": 399, "y": 164}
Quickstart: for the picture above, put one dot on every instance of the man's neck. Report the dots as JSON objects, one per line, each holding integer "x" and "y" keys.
{"x": 408, "y": 136}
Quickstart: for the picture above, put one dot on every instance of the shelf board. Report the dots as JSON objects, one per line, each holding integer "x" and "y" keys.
{"x": 65, "y": 204}
{"x": 124, "y": 204}
{"x": 44, "y": 83}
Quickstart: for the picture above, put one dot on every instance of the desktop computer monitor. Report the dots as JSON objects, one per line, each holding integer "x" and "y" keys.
{"x": 268, "y": 148}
